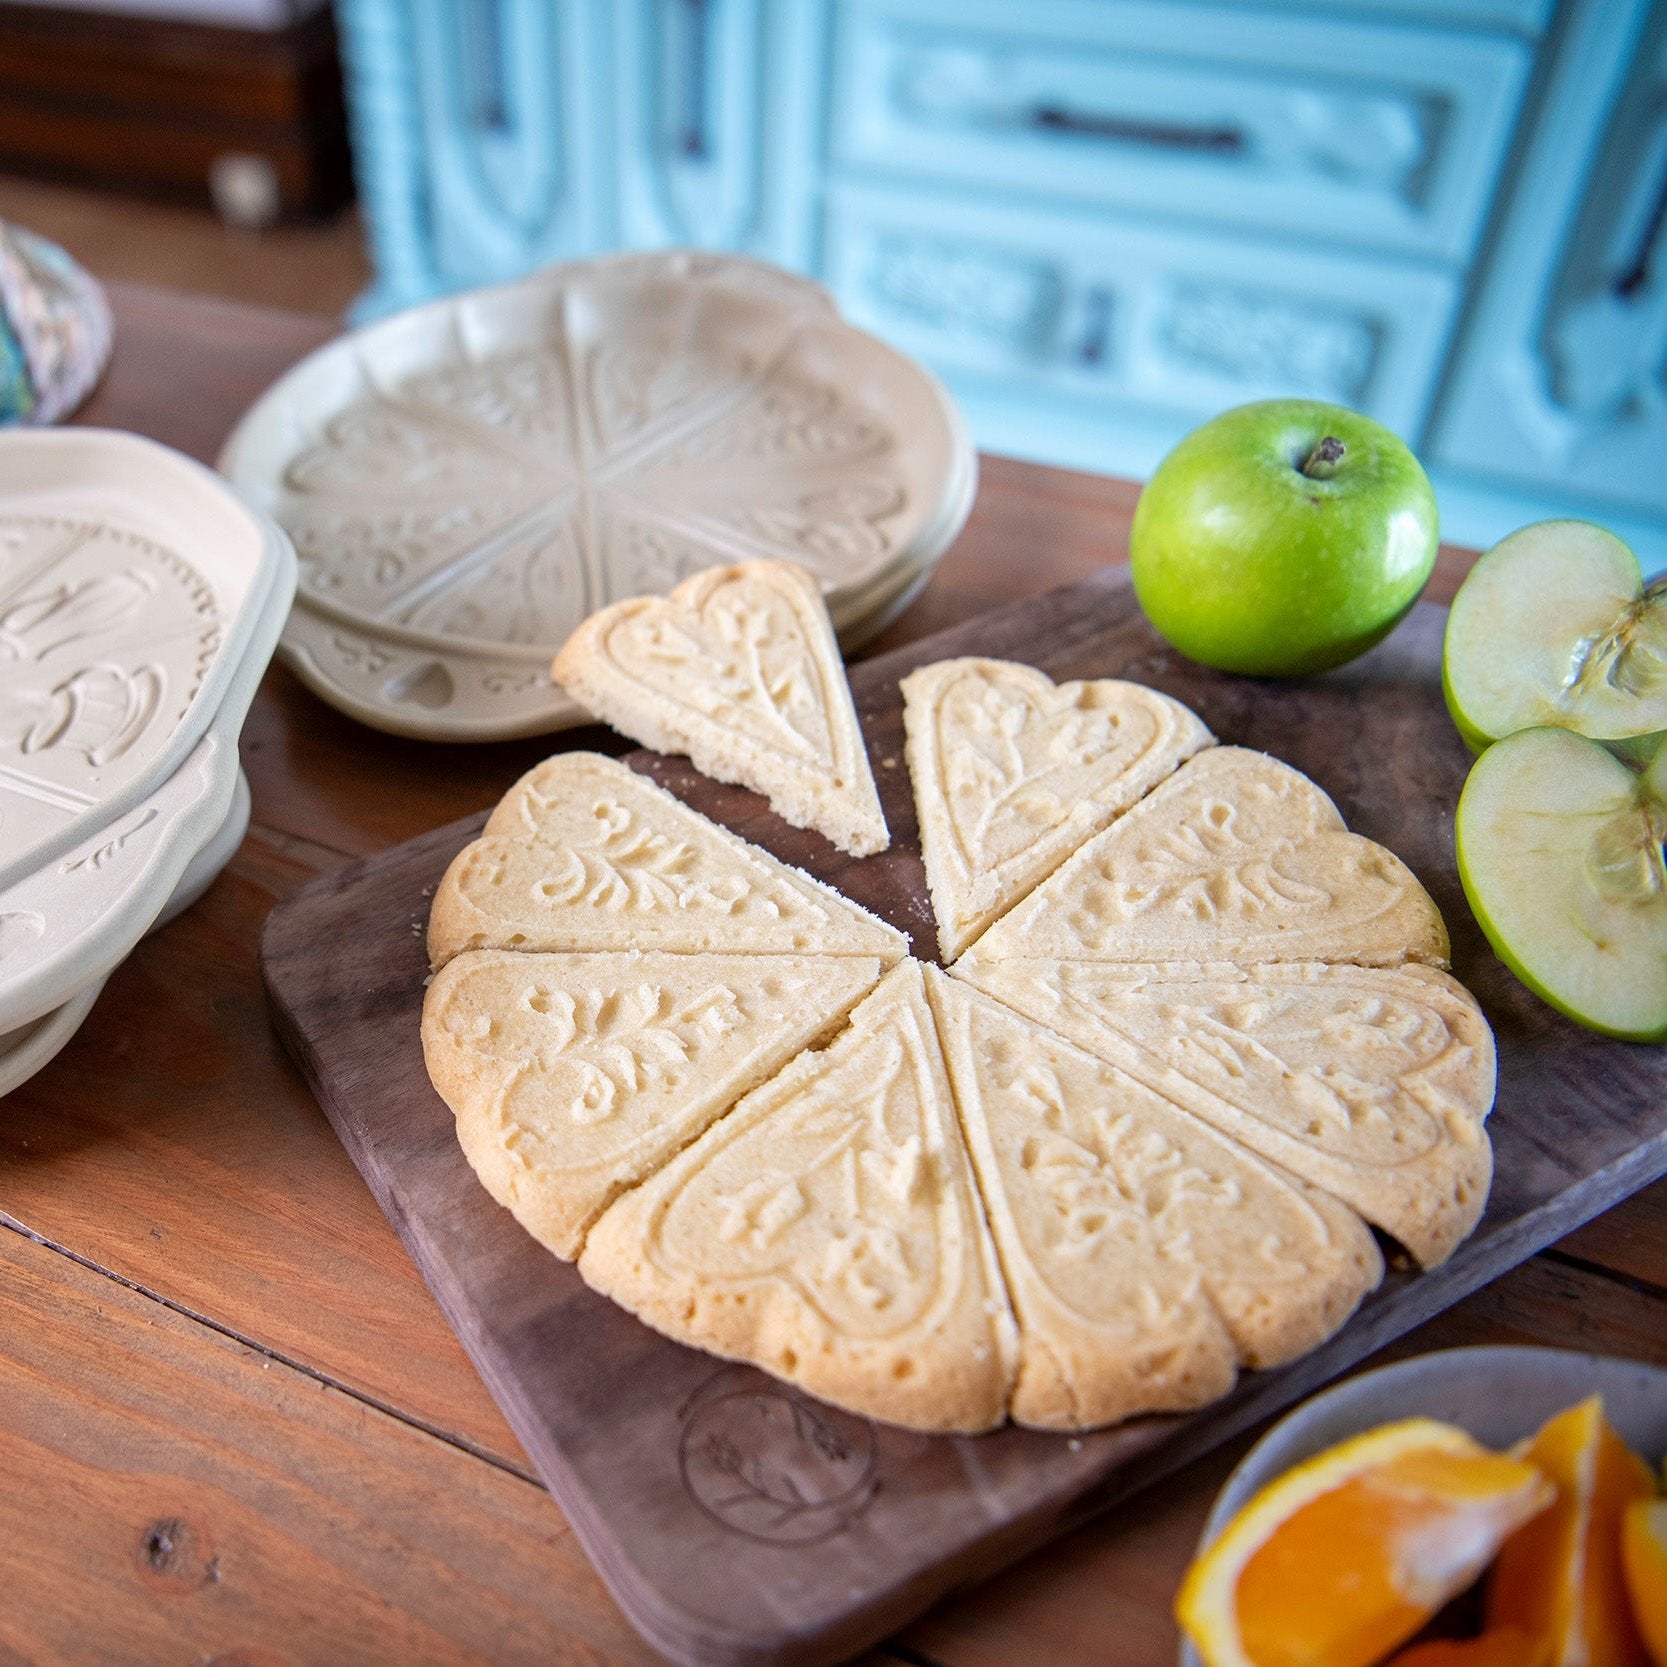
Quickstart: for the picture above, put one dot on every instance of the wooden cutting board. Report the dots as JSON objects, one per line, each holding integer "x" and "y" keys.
{"x": 738, "y": 1521}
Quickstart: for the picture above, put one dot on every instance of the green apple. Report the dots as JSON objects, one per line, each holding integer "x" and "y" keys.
{"x": 1283, "y": 537}
{"x": 1554, "y": 625}
{"x": 1560, "y": 852}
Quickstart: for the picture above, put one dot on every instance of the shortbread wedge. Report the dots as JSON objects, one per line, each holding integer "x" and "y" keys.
{"x": 828, "y": 1231}
{"x": 1236, "y": 857}
{"x": 1012, "y": 772}
{"x": 573, "y": 1077}
{"x": 585, "y": 854}
{"x": 1146, "y": 1254}
{"x": 738, "y": 667}
{"x": 1370, "y": 1082}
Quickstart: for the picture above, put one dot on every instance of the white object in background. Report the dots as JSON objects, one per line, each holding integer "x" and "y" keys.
{"x": 245, "y": 190}
{"x": 132, "y": 582}
{"x": 76, "y": 917}
{"x": 1501, "y": 1395}
{"x": 465, "y": 482}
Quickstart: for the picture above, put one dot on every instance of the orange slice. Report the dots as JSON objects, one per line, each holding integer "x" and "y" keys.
{"x": 1505, "y": 1646}
{"x": 1559, "y": 1577}
{"x": 1502, "y": 1647}
{"x": 1644, "y": 1562}
{"x": 1348, "y": 1555}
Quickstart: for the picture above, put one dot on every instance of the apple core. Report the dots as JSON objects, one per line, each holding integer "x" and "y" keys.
{"x": 1563, "y": 853}
{"x": 1555, "y": 626}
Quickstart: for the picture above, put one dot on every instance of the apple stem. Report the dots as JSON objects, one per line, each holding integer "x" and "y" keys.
{"x": 1324, "y": 458}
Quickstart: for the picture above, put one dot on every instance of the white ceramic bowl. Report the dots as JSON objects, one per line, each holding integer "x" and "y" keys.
{"x": 132, "y": 584}
{"x": 466, "y": 481}
{"x": 1499, "y": 1395}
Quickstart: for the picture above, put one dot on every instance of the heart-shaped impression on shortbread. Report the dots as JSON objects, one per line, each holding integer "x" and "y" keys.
{"x": 1012, "y": 772}
{"x": 1369, "y": 1082}
{"x": 1238, "y": 858}
{"x": 584, "y": 854}
{"x": 574, "y": 1076}
{"x": 738, "y": 667}
{"x": 827, "y": 1228}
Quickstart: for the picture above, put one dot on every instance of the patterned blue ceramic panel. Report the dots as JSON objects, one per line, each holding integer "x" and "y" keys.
{"x": 1138, "y": 312}
{"x": 1099, "y": 219}
{"x": 1352, "y": 133}
{"x": 1563, "y": 384}
{"x": 718, "y": 125}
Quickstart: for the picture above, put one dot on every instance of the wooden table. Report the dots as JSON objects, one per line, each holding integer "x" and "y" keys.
{"x": 234, "y": 1428}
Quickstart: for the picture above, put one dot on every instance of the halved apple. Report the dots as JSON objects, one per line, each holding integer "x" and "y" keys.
{"x": 1561, "y": 852}
{"x": 1554, "y": 625}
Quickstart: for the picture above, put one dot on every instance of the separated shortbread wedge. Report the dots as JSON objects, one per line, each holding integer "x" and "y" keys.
{"x": 572, "y": 1077}
{"x": 1370, "y": 1082}
{"x": 585, "y": 854}
{"x": 738, "y": 667}
{"x": 1146, "y": 1255}
{"x": 1012, "y": 772}
{"x": 1236, "y": 857}
{"x": 827, "y": 1230}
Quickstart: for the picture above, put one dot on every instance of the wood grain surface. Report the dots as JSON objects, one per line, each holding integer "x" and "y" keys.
{"x": 171, "y": 1169}
{"x": 623, "y": 1423}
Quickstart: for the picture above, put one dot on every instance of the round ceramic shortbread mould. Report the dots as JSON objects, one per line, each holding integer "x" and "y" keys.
{"x": 467, "y": 481}
{"x": 133, "y": 586}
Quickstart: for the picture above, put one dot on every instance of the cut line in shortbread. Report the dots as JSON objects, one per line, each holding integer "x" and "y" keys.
{"x": 585, "y": 854}
{"x": 738, "y": 667}
{"x": 827, "y": 1230}
{"x": 1236, "y": 857}
{"x": 572, "y": 1077}
{"x": 1371, "y": 1082}
{"x": 1146, "y": 1254}
{"x": 1012, "y": 772}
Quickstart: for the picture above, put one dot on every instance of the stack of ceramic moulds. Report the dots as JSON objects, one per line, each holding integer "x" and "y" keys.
{"x": 140, "y": 602}
{"x": 467, "y": 481}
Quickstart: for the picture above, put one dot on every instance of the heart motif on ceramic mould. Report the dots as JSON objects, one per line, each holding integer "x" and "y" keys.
{"x": 1020, "y": 770}
{"x": 673, "y": 459}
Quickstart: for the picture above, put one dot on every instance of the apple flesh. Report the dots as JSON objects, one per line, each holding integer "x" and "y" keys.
{"x": 1555, "y": 626}
{"x": 1560, "y": 850}
{"x": 1282, "y": 537}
